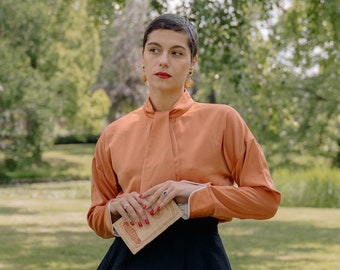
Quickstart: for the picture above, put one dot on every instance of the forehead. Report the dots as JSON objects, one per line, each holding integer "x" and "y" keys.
{"x": 169, "y": 38}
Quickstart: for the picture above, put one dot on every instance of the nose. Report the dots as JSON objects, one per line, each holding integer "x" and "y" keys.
{"x": 164, "y": 61}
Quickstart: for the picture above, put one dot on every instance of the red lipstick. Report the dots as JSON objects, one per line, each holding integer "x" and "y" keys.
{"x": 163, "y": 75}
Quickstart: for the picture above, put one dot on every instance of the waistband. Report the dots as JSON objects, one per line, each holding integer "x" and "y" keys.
{"x": 196, "y": 225}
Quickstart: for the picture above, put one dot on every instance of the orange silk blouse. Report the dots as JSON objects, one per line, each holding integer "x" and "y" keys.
{"x": 203, "y": 143}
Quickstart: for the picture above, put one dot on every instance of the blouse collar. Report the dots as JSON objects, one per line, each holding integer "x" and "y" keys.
{"x": 180, "y": 107}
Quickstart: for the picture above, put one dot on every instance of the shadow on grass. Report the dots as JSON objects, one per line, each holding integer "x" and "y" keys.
{"x": 280, "y": 245}
{"x": 29, "y": 247}
{"x": 9, "y": 211}
{"x": 249, "y": 244}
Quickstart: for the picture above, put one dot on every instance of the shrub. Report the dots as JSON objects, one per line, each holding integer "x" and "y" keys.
{"x": 313, "y": 187}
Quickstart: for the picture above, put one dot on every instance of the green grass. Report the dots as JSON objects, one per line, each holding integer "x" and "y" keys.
{"x": 43, "y": 226}
{"x": 296, "y": 238}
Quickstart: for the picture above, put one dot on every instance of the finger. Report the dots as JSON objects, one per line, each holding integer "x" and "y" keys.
{"x": 132, "y": 215}
{"x": 122, "y": 209}
{"x": 139, "y": 214}
{"x": 137, "y": 211}
{"x": 125, "y": 206}
{"x": 164, "y": 196}
{"x": 150, "y": 192}
{"x": 154, "y": 201}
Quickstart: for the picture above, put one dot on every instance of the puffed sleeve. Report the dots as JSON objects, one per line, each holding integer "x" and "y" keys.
{"x": 253, "y": 194}
{"x": 104, "y": 187}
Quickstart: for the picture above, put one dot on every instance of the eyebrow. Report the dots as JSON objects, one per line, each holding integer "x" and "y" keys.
{"x": 173, "y": 47}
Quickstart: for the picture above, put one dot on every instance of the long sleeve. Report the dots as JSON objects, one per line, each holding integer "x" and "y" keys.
{"x": 253, "y": 194}
{"x": 104, "y": 188}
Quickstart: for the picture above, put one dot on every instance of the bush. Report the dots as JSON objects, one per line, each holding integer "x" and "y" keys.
{"x": 313, "y": 187}
{"x": 11, "y": 164}
{"x": 4, "y": 178}
{"x": 76, "y": 139}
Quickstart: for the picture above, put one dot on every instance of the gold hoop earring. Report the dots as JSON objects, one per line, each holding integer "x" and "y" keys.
{"x": 189, "y": 83}
{"x": 143, "y": 77}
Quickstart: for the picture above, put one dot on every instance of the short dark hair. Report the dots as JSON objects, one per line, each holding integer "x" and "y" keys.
{"x": 176, "y": 23}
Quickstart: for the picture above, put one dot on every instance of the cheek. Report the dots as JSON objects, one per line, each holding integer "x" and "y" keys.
{"x": 184, "y": 69}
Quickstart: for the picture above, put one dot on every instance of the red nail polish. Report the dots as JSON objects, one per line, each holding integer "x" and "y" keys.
{"x": 132, "y": 223}
{"x": 152, "y": 212}
{"x": 147, "y": 221}
{"x": 140, "y": 196}
{"x": 158, "y": 207}
{"x": 140, "y": 224}
{"x": 145, "y": 206}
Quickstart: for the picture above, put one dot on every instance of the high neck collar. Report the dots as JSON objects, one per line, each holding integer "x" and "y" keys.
{"x": 180, "y": 107}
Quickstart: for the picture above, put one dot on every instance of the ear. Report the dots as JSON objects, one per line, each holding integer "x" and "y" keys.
{"x": 142, "y": 56}
{"x": 194, "y": 61}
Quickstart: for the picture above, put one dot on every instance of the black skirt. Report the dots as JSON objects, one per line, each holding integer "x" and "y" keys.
{"x": 186, "y": 245}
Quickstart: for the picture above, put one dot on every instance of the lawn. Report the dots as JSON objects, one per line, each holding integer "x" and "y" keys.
{"x": 43, "y": 226}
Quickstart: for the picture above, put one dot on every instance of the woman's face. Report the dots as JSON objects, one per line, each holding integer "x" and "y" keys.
{"x": 167, "y": 60}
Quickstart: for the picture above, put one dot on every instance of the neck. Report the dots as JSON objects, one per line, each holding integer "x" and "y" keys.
{"x": 164, "y": 101}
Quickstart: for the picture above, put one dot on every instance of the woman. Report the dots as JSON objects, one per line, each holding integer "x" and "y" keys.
{"x": 203, "y": 156}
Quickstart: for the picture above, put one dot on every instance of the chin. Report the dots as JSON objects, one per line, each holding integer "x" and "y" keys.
{"x": 161, "y": 87}
{"x": 166, "y": 87}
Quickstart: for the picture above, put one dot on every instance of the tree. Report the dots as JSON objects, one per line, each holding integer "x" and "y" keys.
{"x": 121, "y": 52}
{"x": 49, "y": 59}
{"x": 277, "y": 64}
{"x": 23, "y": 107}
{"x": 307, "y": 38}
{"x": 74, "y": 60}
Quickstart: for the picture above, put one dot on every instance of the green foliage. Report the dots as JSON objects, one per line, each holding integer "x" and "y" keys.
{"x": 74, "y": 56}
{"x": 121, "y": 44}
{"x": 23, "y": 110}
{"x": 307, "y": 41}
{"x": 49, "y": 59}
{"x": 277, "y": 63}
{"x": 313, "y": 187}
{"x": 103, "y": 12}
{"x": 92, "y": 113}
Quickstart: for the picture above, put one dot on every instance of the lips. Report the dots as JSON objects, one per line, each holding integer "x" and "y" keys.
{"x": 163, "y": 75}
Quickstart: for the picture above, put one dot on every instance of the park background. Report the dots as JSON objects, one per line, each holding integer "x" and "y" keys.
{"x": 68, "y": 68}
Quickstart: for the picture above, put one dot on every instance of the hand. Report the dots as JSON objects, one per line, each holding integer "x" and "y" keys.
{"x": 131, "y": 207}
{"x": 160, "y": 195}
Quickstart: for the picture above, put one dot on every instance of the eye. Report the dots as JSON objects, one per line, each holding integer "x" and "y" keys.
{"x": 176, "y": 53}
{"x": 154, "y": 50}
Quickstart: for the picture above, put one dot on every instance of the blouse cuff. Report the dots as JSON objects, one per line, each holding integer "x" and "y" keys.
{"x": 185, "y": 207}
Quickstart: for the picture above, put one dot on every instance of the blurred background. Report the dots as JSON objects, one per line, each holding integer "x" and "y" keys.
{"x": 68, "y": 68}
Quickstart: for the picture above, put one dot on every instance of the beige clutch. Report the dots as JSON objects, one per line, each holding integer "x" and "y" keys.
{"x": 136, "y": 237}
